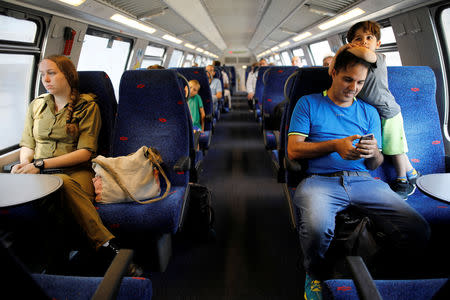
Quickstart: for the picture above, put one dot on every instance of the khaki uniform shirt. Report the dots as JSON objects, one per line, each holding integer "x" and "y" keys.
{"x": 45, "y": 129}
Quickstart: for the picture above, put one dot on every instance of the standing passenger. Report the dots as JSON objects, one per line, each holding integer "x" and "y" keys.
{"x": 196, "y": 106}
{"x": 376, "y": 92}
{"x": 214, "y": 85}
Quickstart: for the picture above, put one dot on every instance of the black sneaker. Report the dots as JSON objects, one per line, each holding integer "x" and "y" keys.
{"x": 112, "y": 249}
{"x": 403, "y": 188}
{"x": 414, "y": 179}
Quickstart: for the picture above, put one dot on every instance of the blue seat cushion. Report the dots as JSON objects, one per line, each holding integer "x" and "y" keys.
{"x": 270, "y": 140}
{"x": 160, "y": 217}
{"x": 77, "y": 288}
{"x": 344, "y": 289}
{"x": 434, "y": 211}
{"x": 205, "y": 139}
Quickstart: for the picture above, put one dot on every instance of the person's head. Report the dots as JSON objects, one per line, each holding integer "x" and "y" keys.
{"x": 349, "y": 75}
{"x": 263, "y": 62}
{"x": 194, "y": 87}
{"x": 155, "y": 67}
{"x": 60, "y": 78}
{"x": 327, "y": 60}
{"x": 296, "y": 62}
{"x": 366, "y": 34}
{"x": 216, "y": 63}
{"x": 210, "y": 70}
{"x": 195, "y": 64}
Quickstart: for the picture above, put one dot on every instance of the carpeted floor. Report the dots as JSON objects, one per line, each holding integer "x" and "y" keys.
{"x": 255, "y": 255}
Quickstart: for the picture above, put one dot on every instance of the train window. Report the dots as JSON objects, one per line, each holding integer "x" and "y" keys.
{"x": 285, "y": 58}
{"x": 175, "y": 59}
{"x": 15, "y": 78}
{"x": 389, "y": 47}
{"x": 154, "y": 55}
{"x": 198, "y": 60}
{"x": 105, "y": 53}
{"x": 17, "y": 30}
{"x": 445, "y": 30}
{"x": 319, "y": 51}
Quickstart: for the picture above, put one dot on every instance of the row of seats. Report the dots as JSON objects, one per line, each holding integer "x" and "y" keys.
{"x": 414, "y": 89}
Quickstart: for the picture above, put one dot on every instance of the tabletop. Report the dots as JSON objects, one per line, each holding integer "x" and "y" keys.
{"x": 435, "y": 185}
{"x": 22, "y": 188}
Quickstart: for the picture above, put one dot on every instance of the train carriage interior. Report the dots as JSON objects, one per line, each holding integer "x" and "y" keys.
{"x": 218, "y": 89}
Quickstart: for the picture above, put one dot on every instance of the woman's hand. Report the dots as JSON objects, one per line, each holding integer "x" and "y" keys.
{"x": 25, "y": 168}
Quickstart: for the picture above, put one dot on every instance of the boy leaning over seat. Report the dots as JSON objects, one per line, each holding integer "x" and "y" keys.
{"x": 376, "y": 92}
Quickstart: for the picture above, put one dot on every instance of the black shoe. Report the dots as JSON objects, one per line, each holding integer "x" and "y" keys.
{"x": 403, "y": 188}
{"x": 113, "y": 249}
{"x": 414, "y": 179}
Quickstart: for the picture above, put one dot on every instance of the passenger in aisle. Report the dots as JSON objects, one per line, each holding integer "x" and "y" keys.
{"x": 324, "y": 131}
{"x": 250, "y": 85}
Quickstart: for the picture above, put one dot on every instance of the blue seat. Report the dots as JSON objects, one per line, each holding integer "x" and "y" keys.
{"x": 274, "y": 80}
{"x": 152, "y": 112}
{"x": 259, "y": 91}
{"x": 205, "y": 93}
{"x": 98, "y": 83}
{"x": 362, "y": 286}
{"x": 19, "y": 283}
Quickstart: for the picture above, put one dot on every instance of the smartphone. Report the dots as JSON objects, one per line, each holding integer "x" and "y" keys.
{"x": 366, "y": 137}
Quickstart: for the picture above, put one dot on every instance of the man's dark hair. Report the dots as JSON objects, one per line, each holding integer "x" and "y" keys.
{"x": 216, "y": 63}
{"x": 367, "y": 26}
{"x": 347, "y": 59}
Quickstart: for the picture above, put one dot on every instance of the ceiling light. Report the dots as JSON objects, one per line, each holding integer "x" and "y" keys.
{"x": 275, "y": 48}
{"x": 321, "y": 10}
{"x": 73, "y": 2}
{"x": 172, "y": 39}
{"x": 189, "y": 46}
{"x": 132, "y": 23}
{"x": 284, "y": 44}
{"x": 200, "y": 50}
{"x": 302, "y": 36}
{"x": 341, "y": 18}
{"x": 244, "y": 67}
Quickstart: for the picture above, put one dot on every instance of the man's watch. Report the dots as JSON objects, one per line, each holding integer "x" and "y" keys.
{"x": 39, "y": 163}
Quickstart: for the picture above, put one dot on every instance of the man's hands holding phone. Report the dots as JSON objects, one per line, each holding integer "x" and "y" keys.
{"x": 365, "y": 148}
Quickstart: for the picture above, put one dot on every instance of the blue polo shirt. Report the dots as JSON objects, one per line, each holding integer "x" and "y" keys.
{"x": 319, "y": 119}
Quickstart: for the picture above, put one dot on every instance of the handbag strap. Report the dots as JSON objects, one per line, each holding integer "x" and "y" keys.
{"x": 151, "y": 157}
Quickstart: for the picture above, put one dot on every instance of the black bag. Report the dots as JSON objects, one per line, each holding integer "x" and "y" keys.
{"x": 354, "y": 236}
{"x": 200, "y": 214}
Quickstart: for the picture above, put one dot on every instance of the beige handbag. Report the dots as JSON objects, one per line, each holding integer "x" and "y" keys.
{"x": 134, "y": 177}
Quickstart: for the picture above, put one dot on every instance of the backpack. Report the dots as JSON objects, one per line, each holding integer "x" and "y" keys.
{"x": 200, "y": 214}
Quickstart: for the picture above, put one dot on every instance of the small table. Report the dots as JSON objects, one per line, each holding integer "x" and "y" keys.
{"x": 436, "y": 186}
{"x": 22, "y": 188}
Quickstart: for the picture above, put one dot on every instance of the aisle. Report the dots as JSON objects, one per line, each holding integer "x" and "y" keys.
{"x": 255, "y": 255}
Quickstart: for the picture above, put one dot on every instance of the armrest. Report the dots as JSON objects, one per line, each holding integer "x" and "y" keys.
{"x": 364, "y": 283}
{"x": 292, "y": 165}
{"x": 7, "y": 168}
{"x": 182, "y": 164}
{"x": 110, "y": 285}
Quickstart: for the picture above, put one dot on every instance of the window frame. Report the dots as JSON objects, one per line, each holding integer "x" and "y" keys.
{"x": 23, "y": 48}
{"x": 153, "y": 57}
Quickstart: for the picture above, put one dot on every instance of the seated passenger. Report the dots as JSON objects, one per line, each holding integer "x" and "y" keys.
{"x": 250, "y": 84}
{"x": 226, "y": 85}
{"x": 296, "y": 61}
{"x": 327, "y": 60}
{"x": 61, "y": 131}
{"x": 325, "y": 129}
{"x": 214, "y": 85}
{"x": 155, "y": 67}
{"x": 196, "y": 106}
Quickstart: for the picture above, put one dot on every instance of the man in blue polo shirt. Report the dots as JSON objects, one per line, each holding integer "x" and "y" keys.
{"x": 326, "y": 129}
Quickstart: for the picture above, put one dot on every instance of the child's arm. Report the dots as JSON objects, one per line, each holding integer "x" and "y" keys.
{"x": 202, "y": 118}
{"x": 362, "y": 52}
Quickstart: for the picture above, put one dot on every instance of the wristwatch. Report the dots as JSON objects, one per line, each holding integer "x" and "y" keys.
{"x": 39, "y": 163}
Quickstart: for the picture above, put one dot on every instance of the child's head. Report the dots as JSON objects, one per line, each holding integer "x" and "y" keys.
{"x": 194, "y": 87}
{"x": 366, "y": 34}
